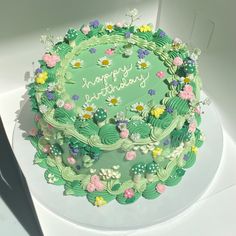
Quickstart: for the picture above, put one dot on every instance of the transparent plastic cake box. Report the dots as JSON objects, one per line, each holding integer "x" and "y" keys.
{"x": 208, "y": 25}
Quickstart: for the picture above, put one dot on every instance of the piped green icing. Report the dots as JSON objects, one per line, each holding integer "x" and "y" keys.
{"x": 81, "y": 37}
{"x": 174, "y": 178}
{"x": 145, "y": 35}
{"x": 40, "y": 158}
{"x": 140, "y": 127}
{"x": 163, "y": 121}
{"x": 198, "y": 118}
{"x": 62, "y": 49}
{"x": 191, "y": 160}
{"x": 198, "y": 139}
{"x": 74, "y": 188}
{"x": 86, "y": 127}
{"x": 105, "y": 195}
{"x": 53, "y": 176}
{"x": 178, "y": 104}
{"x": 64, "y": 116}
{"x": 109, "y": 134}
{"x": 180, "y": 135}
{"x": 122, "y": 200}
{"x": 150, "y": 192}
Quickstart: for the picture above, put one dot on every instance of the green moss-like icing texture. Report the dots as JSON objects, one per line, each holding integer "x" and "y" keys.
{"x": 122, "y": 200}
{"x": 74, "y": 188}
{"x": 150, "y": 192}
{"x": 179, "y": 105}
{"x": 86, "y": 127}
{"x": 139, "y": 127}
{"x": 190, "y": 158}
{"x": 64, "y": 116}
{"x": 109, "y": 134}
{"x": 162, "y": 122}
{"x": 180, "y": 135}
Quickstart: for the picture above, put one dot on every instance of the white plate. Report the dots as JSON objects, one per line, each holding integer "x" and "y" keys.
{"x": 114, "y": 216}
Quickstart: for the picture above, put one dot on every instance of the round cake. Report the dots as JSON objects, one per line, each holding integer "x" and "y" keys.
{"x": 117, "y": 109}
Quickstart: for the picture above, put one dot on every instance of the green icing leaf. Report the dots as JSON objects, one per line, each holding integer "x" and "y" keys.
{"x": 33, "y": 139}
{"x": 150, "y": 191}
{"x": 178, "y": 104}
{"x": 53, "y": 176}
{"x": 140, "y": 127}
{"x": 105, "y": 195}
{"x": 74, "y": 188}
{"x": 115, "y": 187}
{"x": 40, "y": 159}
{"x": 174, "y": 179}
{"x": 64, "y": 116}
{"x": 109, "y": 134}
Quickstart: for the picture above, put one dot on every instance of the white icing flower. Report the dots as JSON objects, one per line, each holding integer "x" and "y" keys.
{"x": 135, "y": 137}
{"x": 60, "y": 103}
{"x": 107, "y": 174}
{"x": 177, "y": 151}
{"x": 132, "y": 13}
{"x": 128, "y": 52}
{"x": 138, "y": 107}
{"x": 113, "y": 101}
{"x": 89, "y": 107}
{"x": 51, "y": 86}
{"x": 52, "y": 179}
{"x": 104, "y": 62}
{"x": 77, "y": 63}
{"x": 143, "y": 64}
{"x": 109, "y": 26}
{"x": 43, "y": 108}
{"x": 187, "y": 79}
{"x": 85, "y": 115}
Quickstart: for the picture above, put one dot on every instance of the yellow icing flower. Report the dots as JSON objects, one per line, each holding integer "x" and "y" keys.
{"x": 41, "y": 77}
{"x": 157, "y": 152}
{"x": 194, "y": 149}
{"x": 145, "y": 28}
{"x": 99, "y": 201}
{"x": 157, "y": 111}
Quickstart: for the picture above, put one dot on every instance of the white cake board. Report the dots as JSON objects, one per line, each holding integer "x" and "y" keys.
{"x": 114, "y": 216}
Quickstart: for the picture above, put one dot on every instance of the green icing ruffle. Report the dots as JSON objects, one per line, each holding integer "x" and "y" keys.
{"x": 109, "y": 134}
{"x": 191, "y": 160}
{"x": 122, "y": 200}
{"x": 140, "y": 127}
{"x": 87, "y": 128}
{"x": 53, "y": 172}
{"x": 106, "y": 196}
{"x": 64, "y": 116}
{"x": 178, "y": 104}
{"x": 74, "y": 188}
{"x": 180, "y": 135}
{"x": 150, "y": 191}
{"x": 162, "y": 122}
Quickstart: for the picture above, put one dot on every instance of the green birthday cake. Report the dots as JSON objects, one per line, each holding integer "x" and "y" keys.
{"x": 117, "y": 109}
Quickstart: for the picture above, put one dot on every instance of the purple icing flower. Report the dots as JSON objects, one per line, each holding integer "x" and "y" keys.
{"x": 169, "y": 109}
{"x": 186, "y": 157}
{"x": 127, "y": 35}
{"x": 146, "y": 52}
{"x": 162, "y": 34}
{"x": 151, "y": 92}
{"x": 92, "y": 50}
{"x": 38, "y": 70}
{"x": 166, "y": 142}
{"x": 75, "y": 97}
{"x": 50, "y": 95}
{"x": 94, "y": 23}
{"x": 141, "y": 55}
{"x": 175, "y": 83}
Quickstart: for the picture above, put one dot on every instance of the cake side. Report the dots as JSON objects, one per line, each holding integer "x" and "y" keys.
{"x": 117, "y": 110}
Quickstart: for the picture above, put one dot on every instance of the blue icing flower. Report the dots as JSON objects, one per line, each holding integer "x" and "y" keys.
{"x": 162, "y": 34}
{"x": 186, "y": 157}
{"x": 127, "y": 35}
{"x": 94, "y": 23}
{"x": 75, "y": 97}
{"x": 92, "y": 50}
{"x": 151, "y": 92}
{"x": 169, "y": 110}
{"x": 175, "y": 83}
{"x": 50, "y": 95}
{"x": 38, "y": 70}
{"x": 166, "y": 142}
{"x": 142, "y": 53}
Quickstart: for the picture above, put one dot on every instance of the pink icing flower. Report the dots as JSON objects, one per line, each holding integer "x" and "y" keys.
{"x": 33, "y": 131}
{"x": 71, "y": 160}
{"x": 109, "y": 51}
{"x": 160, "y": 188}
{"x": 94, "y": 178}
{"x": 160, "y": 74}
{"x": 90, "y": 187}
{"x": 51, "y": 60}
{"x": 188, "y": 88}
{"x": 37, "y": 117}
{"x": 68, "y": 106}
{"x": 198, "y": 110}
{"x": 124, "y": 133}
{"x": 131, "y": 155}
{"x": 119, "y": 24}
{"x": 99, "y": 186}
{"x": 178, "y": 61}
{"x": 46, "y": 148}
{"x": 187, "y": 93}
{"x": 85, "y": 29}
{"x": 192, "y": 127}
{"x": 129, "y": 193}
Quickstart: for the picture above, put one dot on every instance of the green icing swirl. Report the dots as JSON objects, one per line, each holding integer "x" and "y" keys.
{"x": 106, "y": 196}
{"x": 178, "y": 104}
{"x": 162, "y": 122}
{"x": 122, "y": 200}
{"x": 64, "y": 116}
{"x": 191, "y": 160}
{"x": 150, "y": 191}
{"x": 74, "y": 188}
{"x": 174, "y": 179}
{"x": 140, "y": 127}
{"x": 109, "y": 134}
{"x": 55, "y": 173}
{"x": 86, "y": 127}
